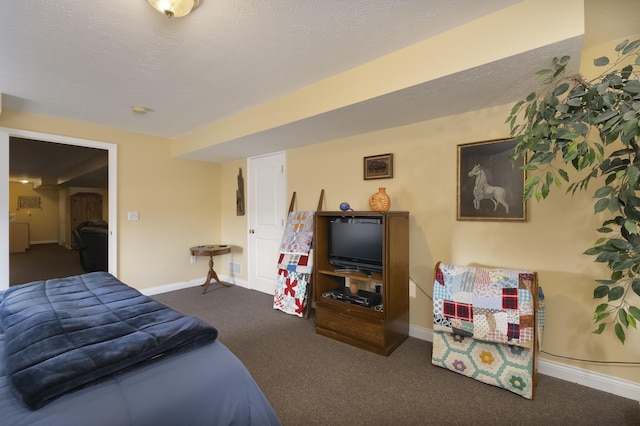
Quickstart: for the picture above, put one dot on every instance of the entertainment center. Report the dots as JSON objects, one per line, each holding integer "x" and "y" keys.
{"x": 361, "y": 278}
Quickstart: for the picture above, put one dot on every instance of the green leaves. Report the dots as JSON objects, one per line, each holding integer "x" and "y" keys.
{"x": 633, "y": 173}
{"x": 615, "y": 293}
{"x": 605, "y": 191}
{"x": 570, "y": 123}
{"x": 530, "y": 185}
{"x": 564, "y": 175}
{"x": 562, "y": 88}
{"x": 632, "y": 86}
{"x": 601, "y": 205}
{"x": 600, "y": 292}
{"x": 607, "y": 115}
{"x": 620, "y": 333}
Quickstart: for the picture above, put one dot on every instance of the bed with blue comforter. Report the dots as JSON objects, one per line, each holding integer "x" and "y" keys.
{"x": 89, "y": 349}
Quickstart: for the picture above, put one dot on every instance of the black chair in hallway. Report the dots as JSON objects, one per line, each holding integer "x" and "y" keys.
{"x": 92, "y": 238}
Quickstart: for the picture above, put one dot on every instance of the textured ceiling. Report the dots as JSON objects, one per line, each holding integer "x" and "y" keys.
{"x": 49, "y": 165}
{"x": 90, "y": 61}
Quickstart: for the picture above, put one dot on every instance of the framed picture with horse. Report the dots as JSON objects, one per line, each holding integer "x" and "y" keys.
{"x": 490, "y": 183}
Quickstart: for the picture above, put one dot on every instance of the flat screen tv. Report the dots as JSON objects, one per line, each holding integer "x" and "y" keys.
{"x": 355, "y": 244}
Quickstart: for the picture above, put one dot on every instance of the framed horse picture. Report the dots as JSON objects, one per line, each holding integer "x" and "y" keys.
{"x": 490, "y": 183}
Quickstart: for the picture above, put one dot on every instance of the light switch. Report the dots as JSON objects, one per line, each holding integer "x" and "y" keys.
{"x": 133, "y": 216}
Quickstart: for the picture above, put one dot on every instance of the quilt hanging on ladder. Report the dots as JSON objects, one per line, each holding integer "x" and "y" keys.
{"x": 295, "y": 263}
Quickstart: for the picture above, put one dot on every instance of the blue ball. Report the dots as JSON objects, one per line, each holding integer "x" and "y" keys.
{"x": 345, "y": 206}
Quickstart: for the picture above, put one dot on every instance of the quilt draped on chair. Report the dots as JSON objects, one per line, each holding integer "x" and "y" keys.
{"x": 488, "y": 325}
{"x": 295, "y": 264}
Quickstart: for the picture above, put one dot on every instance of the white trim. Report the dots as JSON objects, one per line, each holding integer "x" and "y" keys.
{"x": 602, "y": 382}
{"x": 111, "y": 148}
{"x": 609, "y": 384}
{"x": 421, "y": 333}
{"x": 165, "y": 288}
{"x": 4, "y": 208}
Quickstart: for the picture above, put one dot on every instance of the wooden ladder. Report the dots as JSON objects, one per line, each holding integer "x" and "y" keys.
{"x": 309, "y": 292}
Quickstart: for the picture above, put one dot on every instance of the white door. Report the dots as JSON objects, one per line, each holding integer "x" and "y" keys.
{"x": 266, "y": 217}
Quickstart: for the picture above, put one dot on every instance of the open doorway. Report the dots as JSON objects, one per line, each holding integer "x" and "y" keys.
{"x": 53, "y": 188}
{"x": 57, "y": 169}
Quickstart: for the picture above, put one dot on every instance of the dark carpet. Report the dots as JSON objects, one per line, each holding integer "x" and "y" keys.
{"x": 313, "y": 380}
{"x": 43, "y": 261}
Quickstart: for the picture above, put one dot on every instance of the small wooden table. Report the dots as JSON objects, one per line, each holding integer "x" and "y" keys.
{"x": 211, "y": 250}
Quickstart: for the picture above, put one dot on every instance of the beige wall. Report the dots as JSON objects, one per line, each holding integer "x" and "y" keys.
{"x": 550, "y": 242}
{"x": 49, "y": 223}
{"x": 178, "y": 200}
{"x": 43, "y": 222}
{"x": 557, "y": 231}
{"x": 179, "y": 205}
{"x": 233, "y": 229}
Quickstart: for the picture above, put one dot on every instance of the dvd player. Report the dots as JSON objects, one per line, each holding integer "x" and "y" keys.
{"x": 362, "y": 298}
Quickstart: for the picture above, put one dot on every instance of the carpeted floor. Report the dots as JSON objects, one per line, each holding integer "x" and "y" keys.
{"x": 43, "y": 261}
{"x": 313, "y": 380}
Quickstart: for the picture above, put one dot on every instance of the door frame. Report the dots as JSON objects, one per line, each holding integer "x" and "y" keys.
{"x": 5, "y": 134}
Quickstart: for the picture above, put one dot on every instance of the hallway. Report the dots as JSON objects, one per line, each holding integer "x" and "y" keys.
{"x": 43, "y": 261}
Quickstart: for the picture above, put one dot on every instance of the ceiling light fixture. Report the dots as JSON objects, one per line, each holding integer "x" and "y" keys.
{"x": 171, "y": 8}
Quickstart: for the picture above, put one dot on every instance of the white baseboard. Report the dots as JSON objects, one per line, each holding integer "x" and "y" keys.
{"x": 421, "y": 333}
{"x": 609, "y": 384}
{"x": 150, "y": 291}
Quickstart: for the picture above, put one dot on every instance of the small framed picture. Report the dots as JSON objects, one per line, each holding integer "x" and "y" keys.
{"x": 378, "y": 166}
{"x": 29, "y": 202}
{"x": 490, "y": 184}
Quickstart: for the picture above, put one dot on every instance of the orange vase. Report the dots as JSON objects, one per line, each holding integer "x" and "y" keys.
{"x": 380, "y": 201}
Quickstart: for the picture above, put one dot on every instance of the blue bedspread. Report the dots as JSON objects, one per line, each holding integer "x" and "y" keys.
{"x": 205, "y": 386}
{"x": 62, "y": 334}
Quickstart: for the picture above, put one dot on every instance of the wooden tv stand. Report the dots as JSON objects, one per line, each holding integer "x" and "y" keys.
{"x": 379, "y": 329}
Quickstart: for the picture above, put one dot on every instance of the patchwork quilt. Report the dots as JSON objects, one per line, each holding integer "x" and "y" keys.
{"x": 487, "y": 324}
{"x": 298, "y": 233}
{"x": 295, "y": 264}
{"x": 508, "y": 367}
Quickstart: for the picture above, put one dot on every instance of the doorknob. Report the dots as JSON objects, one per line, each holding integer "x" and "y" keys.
{"x": 252, "y": 231}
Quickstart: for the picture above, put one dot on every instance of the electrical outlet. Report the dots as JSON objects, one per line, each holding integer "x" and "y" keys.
{"x": 194, "y": 259}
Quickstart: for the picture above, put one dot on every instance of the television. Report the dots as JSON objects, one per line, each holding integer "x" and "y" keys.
{"x": 355, "y": 244}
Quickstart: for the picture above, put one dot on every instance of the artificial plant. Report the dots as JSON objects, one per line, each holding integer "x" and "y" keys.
{"x": 592, "y": 126}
